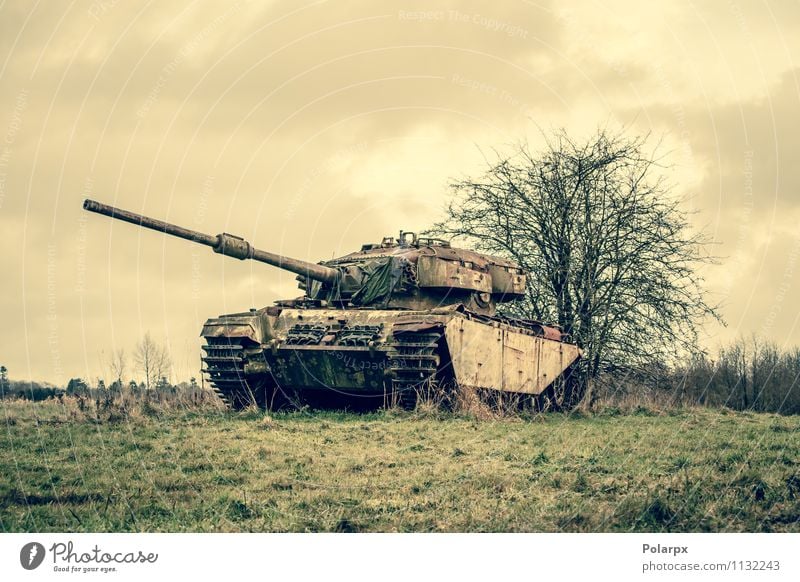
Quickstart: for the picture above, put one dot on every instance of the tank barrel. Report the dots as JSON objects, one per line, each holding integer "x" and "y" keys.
{"x": 224, "y": 244}
{"x": 151, "y": 223}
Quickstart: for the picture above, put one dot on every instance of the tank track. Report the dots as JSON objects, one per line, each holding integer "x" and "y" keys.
{"x": 224, "y": 364}
{"x": 413, "y": 362}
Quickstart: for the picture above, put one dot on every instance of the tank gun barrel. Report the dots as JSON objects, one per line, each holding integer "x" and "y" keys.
{"x": 224, "y": 244}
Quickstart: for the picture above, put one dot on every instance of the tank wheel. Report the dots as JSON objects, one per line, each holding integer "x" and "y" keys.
{"x": 413, "y": 363}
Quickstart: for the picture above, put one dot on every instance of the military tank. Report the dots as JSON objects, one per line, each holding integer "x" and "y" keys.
{"x": 404, "y": 317}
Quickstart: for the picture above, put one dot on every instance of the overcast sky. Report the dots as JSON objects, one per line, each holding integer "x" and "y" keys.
{"x": 312, "y": 127}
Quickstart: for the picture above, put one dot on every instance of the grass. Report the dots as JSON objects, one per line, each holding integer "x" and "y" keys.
{"x": 644, "y": 470}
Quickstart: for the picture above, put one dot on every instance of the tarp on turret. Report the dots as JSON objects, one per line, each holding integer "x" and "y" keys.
{"x": 381, "y": 278}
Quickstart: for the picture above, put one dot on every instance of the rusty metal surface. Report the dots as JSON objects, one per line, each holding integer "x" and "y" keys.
{"x": 508, "y": 283}
{"x": 551, "y": 333}
{"x": 504, "y": 359}
{"x": 417, "y": 326}
{"x": 220, "y": 328}
{"x": 435, "y": 272}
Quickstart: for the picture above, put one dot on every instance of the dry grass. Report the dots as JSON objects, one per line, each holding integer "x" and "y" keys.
{"x": 66, "y": 469}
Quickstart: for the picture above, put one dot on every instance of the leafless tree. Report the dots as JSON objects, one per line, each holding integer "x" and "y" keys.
{"x": 3, "y": 380}
{"x": 118, "y": 364}
{"x": 151, "y": 359}
{"x": 611, "y": 255}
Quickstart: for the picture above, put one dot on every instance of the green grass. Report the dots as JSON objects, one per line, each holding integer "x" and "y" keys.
{"x": 689, "y": 470}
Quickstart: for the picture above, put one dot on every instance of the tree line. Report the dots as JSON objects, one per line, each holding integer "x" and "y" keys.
{"x": 150, "y": 364}
{"x": 747, "y": 374}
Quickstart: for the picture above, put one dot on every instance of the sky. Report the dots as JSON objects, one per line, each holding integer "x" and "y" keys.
{"x": 310, "y": 128}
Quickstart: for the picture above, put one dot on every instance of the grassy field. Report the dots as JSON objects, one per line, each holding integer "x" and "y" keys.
{"x": 687, "y": 470}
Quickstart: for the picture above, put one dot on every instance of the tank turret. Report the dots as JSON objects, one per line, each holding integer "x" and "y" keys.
{"x": 415, "y": 272}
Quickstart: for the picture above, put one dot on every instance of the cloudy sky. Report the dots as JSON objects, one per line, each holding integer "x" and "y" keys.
{"x": 311, "y": 127}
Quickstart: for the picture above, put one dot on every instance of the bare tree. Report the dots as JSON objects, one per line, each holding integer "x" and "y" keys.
{"x": 151, "y": 359}
{"x": 610, "y": 253}
{"x": 118, "y": 364}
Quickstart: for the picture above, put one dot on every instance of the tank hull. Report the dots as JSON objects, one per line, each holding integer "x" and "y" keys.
{"x": 367, "y": 358}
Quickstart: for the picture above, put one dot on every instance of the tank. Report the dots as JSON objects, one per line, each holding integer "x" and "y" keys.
{"x": 381, "y": 326}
